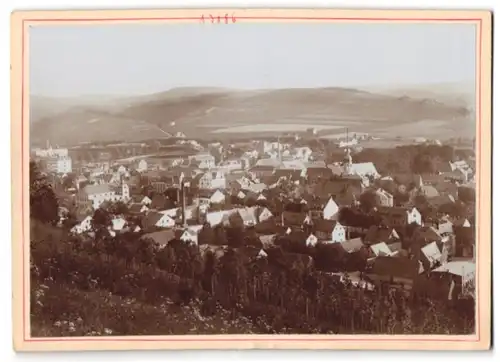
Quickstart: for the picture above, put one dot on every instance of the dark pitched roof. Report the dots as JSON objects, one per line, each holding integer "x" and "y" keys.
{"x": 160, "y": 237}
{"x": 325, "y": 226}
{"x": 135, "y": 207}
{"x": 150, "y": 219}
{"x": 294, "y": 218}
{"x": 352, "y": 245}
{"x": 319, "y": 172}
{"x": 397, "y": 246}
{"x": 377, "y": 234}
{"x": 158, "y": 201}
{"x": 395, "y": 267}
{"x": 392, "y": 211}
{"x": 426, "y": 233}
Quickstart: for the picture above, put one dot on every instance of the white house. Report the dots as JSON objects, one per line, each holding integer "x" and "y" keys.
{"x": 384, "y": 198}
{"x": 59, "y": 164}
{"x": 311, "y": 240}
{"x": 165, "y": 221}
{"x": 414, "y": 216}
{"x": 118, "y": 223}
{"x": 218, "y": 197}
{"x": 84, "y": 226}
{"x": 264, "y": 214}
{"x": 218, "y": 217}
{"x": 445, "y": 226}
{"x": 330, "y": 231}
{"x": 158, "y": 219}
{"x": 142, "y": 166}
{"x": 173, "y": 213}
{"x": 365, "y": 169}
{"x": 189, "y": 236}
{"x": 399, "y": 216}
{"x": 381, "y": 249}
{"x": 97, "y": 194}
{"x": 330, "y": 210}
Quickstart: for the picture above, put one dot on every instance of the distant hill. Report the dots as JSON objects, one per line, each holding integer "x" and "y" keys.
{"x": 218, "y": 112}
{"x": 452, "y": 93}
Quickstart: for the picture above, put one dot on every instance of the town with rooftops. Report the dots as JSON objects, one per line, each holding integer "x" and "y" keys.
{"x": 314, "y": 207}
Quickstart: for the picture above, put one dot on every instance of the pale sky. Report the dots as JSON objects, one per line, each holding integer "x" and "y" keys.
{"x": 129, "y": 59}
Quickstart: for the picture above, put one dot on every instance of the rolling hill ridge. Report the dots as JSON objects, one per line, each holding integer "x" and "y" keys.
{"x": 215, "y": 113}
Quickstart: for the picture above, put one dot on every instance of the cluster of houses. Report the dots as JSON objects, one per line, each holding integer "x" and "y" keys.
{"x": 276, "y": 191}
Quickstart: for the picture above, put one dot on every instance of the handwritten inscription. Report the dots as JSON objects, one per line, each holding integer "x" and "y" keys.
{"x": 218, "y": 19}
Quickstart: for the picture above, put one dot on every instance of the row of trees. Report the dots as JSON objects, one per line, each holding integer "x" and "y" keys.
{"x": 417, "y": 159}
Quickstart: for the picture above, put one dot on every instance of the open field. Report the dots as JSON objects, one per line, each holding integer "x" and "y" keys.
{"x": 286, "y": 127}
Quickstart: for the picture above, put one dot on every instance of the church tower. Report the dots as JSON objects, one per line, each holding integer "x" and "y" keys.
{"x": 347, "y": 162}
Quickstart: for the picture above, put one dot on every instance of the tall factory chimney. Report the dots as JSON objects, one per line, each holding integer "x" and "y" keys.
{"x": 183, "y": 195}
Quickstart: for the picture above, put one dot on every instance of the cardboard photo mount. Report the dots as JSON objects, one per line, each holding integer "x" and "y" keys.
{"x": 22, "y": 21}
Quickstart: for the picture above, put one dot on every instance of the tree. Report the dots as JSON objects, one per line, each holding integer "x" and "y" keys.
{"x": 220, "y": 235}
{"x": 423, "y": 163}
{"x": 43, "y": 202}
{"x": 117, "y": 208}
{"x": 101, "y": 219}
{"x": 466, "y": 194}
{"x": 235, "y": 237}
{"x": 206, "y": 235}
{"x": 368, "y": 200}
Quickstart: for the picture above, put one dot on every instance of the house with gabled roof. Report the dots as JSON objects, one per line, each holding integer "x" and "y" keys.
{"x": 267, "y": 240}
{"x": 352, "y": 245}
{"x": 395, "y": 270}
{"x": 329, "y": 230}
{"x": 190, "y": 235}
{"x": 264, "y": 214}
{"x": 380, "y": 249}
{"x": 311, "y": 240}
{"x": 431, "y": 256}
{"x": 218, "y": 197}
{"x": 399, "y": 216}
{"x": 445, "y": 226}
{"x": 157, "y": 220}
{"x": 161, "y": 238}
{"x": 83, "y": 226}
{"x": 297, "y": 219}
{"x": 118, "y": 223}
{"x": 331, "y": 210}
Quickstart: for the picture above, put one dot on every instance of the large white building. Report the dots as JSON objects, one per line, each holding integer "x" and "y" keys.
{"x": 59, "y": 164}
{"x": 97, "y": 194}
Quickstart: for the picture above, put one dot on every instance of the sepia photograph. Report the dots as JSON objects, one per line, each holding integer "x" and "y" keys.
{"x": 215, "y": 175}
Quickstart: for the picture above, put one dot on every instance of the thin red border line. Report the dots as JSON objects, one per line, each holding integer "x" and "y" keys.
{"x": 259, "y": 18}
{"x": 246, "y": 339}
